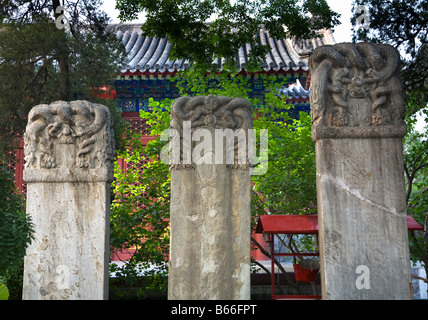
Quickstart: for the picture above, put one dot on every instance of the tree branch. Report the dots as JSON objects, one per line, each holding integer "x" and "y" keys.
{"x": 420, "y": 278}
{"x": 277, "y": 263}
{"x": 261, "y": 266}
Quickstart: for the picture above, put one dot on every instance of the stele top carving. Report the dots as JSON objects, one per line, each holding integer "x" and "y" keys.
{"x": 356, "y": 92}
{"x": 69, "y": 141}
{"x": 215, "y": 112}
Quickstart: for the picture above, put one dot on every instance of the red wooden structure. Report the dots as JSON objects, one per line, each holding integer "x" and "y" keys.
{"x": 16, "y": 165}
{"x": 287, "y": 224}
{"x": 297, "y": 224}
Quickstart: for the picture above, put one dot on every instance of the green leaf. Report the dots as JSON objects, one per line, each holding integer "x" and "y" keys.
{"x": 4, "y": 292}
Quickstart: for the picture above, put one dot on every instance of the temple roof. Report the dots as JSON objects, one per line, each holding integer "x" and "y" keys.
{"x": 294, "y": 91}
{"x": 150, "y": 54}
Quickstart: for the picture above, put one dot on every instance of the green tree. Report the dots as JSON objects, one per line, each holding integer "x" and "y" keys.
{"x": 41, "y": 61}
{"x": 139, "y": 222}
{"x": 289, "y": 185}
{"x": 404, "y": 25}
{"x": 219, "y": 28}
{"x": 15, "y": 232}
{"x": 44, "y": 60}
{"x": 416, "y": 174}
{"x": 140, "y": 210}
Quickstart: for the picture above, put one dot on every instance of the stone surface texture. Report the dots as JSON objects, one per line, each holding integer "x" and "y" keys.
{"x": 69, "y": 153}
{"x": 210, "y": 208}
{"x": 356, "y": 92}
{"x": 357, "y": 109}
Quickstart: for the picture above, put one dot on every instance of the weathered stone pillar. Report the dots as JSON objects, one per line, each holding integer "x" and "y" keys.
{"x": 69, "y": 153}
{"x": 210, "y": 199}
{"x": 357, "y": 109}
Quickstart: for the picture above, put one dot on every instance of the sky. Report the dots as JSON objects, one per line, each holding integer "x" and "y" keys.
{"x": 342, "y": 33}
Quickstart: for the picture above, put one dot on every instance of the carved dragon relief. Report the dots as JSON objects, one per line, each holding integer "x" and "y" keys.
{"x": 66, "y": 136}
{"x": 211, "y": 112}
{"x": 356, "y": 92}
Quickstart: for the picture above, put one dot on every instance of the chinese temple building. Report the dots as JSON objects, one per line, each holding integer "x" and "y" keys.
{"x": 149, "y": 69}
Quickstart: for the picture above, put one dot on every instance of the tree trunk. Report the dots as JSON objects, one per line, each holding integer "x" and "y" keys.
{"x": 62, "y": 56}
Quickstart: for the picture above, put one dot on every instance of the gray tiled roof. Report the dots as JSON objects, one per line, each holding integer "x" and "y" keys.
{"x": 294, "y": 91}
{"x": 152, "y": 54}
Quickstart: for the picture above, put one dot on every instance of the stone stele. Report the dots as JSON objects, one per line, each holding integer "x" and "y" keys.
{"x": 357, "y": 110}
{"x": 210, "y": 201}
{"x": 69, "y": 153}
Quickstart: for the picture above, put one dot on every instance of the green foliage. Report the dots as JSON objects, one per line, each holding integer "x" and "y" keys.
{"x": 194, "y": 82}
{"x": 42, "y": 64}
{"x": 4, "y": 292}
{"x": 140, "y": 210}
{"x": 16, "y": 232}
{"x": 397, "y": 22}
{"x": 416, "y": 174}
{"x": 289, "y": 185}
{"x": 402, "y": 24}
{"x": 219, "y": 28}
{"x": 128, "y": 283}
{"x": 15, "y": 226}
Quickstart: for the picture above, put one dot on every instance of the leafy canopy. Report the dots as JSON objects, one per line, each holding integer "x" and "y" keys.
{"x": 41, "y": 63}
{"x": 218, "y": 28}
{"x": 404, "y": 25}
{"x": 140, "y": 210}
{"x": 16, "y": 229}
